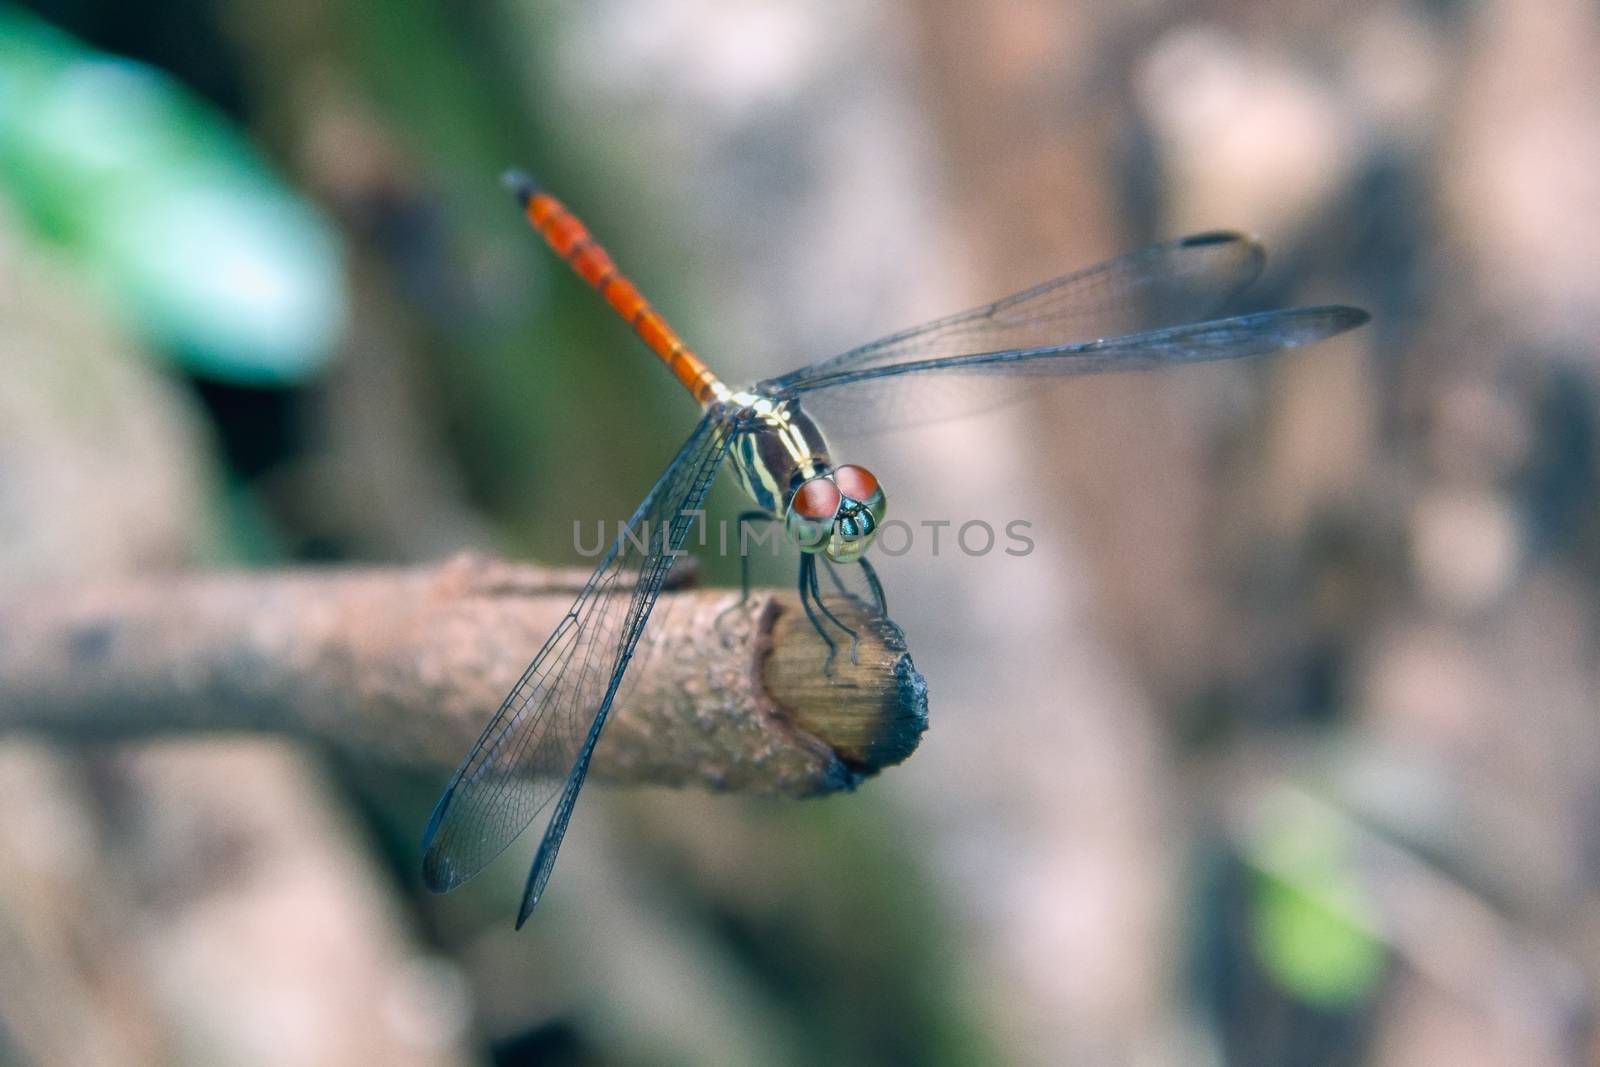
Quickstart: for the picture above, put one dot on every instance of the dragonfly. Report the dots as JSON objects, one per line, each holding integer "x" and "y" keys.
{"x": 1160, "y": 306}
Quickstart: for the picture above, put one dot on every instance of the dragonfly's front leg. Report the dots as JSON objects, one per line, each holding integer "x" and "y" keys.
{"x": 880, "y": 603}
{"x": 812, "y": 602}
{"x": 746, "y": 518}
{"x": 809, "y": 583}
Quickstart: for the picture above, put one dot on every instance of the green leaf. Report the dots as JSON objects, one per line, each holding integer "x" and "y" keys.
{"x": 210, "y": 257}
{"x": 1313, "y": 925}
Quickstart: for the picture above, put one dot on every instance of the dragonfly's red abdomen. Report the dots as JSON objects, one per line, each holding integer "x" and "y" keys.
{"x": 572, "y": 241}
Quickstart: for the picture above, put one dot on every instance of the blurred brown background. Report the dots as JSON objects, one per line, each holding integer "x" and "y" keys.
{"x": 1280, "y": 749}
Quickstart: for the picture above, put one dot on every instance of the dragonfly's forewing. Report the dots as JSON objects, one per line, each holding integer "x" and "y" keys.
{"x": 539, "y": 743}
{"x": 1166, "y": 284}
{"x": 925, "y": 390}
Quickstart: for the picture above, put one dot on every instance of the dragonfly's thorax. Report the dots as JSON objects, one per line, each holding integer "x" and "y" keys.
{"x": 781, "y": 459}
{"x": 777, "y": 449}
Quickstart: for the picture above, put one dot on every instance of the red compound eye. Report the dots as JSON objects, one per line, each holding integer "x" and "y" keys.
{"x": 817, "y": 499}
{"x": 857, "y": 483}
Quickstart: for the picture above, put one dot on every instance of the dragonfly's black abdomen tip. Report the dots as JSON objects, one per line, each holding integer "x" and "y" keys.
{"x": 520, "y": 185}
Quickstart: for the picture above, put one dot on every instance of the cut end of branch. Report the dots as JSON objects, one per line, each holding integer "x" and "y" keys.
{"x": 871, "y": 708}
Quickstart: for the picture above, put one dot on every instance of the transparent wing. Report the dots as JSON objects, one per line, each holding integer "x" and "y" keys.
{"x": 1166, "y": 284}
{"x": 551, "y": 720}
{"x": 924, "y": 390}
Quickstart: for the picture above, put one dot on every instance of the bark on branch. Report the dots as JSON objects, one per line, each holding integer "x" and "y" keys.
{"x": 406, "y": 665}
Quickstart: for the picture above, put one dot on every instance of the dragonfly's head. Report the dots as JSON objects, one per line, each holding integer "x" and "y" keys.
{"x": 837, "y": 513}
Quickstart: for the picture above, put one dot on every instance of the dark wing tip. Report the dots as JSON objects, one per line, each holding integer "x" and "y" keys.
{"x": 1214, "y": 237}
{"x": 1337, "y": 318}
{"x": 1295, "y": 327}
{"x": 1354, "y": 317}
{"x": 439, "y": 874}
{"x": 519, "y": 185}
{"x": 539, "y": 873}
{"x": 1251, "y": 255}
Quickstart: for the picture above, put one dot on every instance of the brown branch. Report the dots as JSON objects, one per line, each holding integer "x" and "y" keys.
{"x": 406, "y": 665}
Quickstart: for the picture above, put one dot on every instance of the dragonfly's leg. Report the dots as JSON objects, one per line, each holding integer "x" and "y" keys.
{"x": 880, "y": 602}
{"x": 808, "y": 578}
{"x": 746, "y": 518}
{"x": 816, "y": 594}
{"x": 844, "y": 591}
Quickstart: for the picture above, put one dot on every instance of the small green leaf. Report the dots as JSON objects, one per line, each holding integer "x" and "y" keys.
{"x": 1313, "y": 926}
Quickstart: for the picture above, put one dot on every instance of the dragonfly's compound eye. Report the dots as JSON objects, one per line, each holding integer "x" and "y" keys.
{"x": 857, "y": 483}
{"x": 817, "y": 499}
{"x": 811, "y": 513}
{"x": 860, "y": 514}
